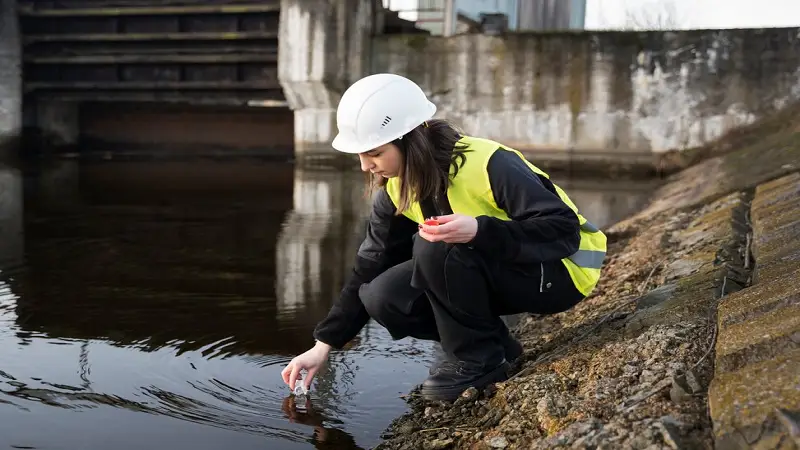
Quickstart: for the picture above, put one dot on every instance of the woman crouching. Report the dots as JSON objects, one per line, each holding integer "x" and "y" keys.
{"x": 463, "y": 230}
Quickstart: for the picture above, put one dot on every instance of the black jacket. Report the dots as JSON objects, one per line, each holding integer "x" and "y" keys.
{"x": 543, "y": 228}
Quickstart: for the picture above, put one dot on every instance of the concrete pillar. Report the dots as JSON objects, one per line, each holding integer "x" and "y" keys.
{"x": 317, "y": 243}
{"x": 324, "y": 47}
{"x": 10, "y": 77}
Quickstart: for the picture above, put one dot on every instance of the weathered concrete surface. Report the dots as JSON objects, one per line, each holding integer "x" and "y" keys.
{"x": 755, "y": 396}
{"x": 10, "y": 77}
{"x": 323, "y": 49}
{"x": 599, "y": 92}
{"x": 675, "y": 313}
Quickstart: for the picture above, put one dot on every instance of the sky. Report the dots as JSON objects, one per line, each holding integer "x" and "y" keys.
{"x": 682, "y": 14}
{"x": 694, "y": 13}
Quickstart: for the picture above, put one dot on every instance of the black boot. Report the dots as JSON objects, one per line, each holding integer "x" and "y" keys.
{"x": 511, "y": 346}
{"x": 450, "y": 378}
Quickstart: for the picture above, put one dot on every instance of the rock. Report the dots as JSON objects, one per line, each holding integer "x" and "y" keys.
{"x": 640, "y": 441}
{"x": 647, "y": 376}
{"x": 406, "y": 428}
{"x": 438, "y": 444}
{"x": 655, "y": 296}
{"x": 790, "y": 421}
{"x": 669, "y": 432}
{"x": 692, "y": 383}
{"x": 467, "y": 396}
{"x": 498, "y": 442}
{"x": 678, "y": 393}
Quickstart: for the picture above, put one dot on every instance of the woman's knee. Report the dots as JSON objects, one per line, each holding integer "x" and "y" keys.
{"x": 374, "y": 300}
{"x": 429, "y": 256}
{"x": 433, "y": 259}
{"x": 388, "y": 292}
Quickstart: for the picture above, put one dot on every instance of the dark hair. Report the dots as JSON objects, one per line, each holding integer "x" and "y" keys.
{"x": 429, "y": 150}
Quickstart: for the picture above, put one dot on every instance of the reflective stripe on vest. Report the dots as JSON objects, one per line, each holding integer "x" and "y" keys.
{"x": 591, "y": 259}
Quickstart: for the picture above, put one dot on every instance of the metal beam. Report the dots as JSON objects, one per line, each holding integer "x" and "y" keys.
{"x": 153, "y": 59}
{"x": 259, "y": 8}
{"x": 152, "y": 85}
{"x": 120, "y": 37}
{"x": 272, "y": 98}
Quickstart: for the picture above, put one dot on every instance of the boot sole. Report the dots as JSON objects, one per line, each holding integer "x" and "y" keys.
{"x": 450, "y": 393}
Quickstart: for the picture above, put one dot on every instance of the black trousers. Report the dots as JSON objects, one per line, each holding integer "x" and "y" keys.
{"x": 455, "y": 295}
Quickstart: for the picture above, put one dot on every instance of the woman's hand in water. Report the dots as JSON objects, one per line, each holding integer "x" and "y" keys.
{"x": 452, "y": 228}
{"x": 312, "y": 360}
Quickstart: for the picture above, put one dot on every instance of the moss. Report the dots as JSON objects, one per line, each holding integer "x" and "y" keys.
{"x": 782, "y": 320}
{"x": 750, "y": 395}
{"x": 418, "y": 42}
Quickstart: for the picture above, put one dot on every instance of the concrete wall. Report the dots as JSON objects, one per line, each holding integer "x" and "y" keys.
{"x": 324, "y": 47}
{"x": 596, "y": 92}
{"x": 10, "y": 75}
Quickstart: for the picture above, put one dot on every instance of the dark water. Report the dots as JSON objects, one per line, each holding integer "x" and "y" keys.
{"x": 155, "y": 304}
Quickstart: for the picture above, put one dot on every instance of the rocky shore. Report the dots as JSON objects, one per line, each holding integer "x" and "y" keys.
{"x": 691, "y": 340}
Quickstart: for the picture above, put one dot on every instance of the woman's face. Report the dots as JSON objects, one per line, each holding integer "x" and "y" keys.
{"x": 386, "y": 161}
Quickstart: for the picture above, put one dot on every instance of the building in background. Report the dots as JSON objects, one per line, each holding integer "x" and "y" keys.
{"x": 448, "y": 17}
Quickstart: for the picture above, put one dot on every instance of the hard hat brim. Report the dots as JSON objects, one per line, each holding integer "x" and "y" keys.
{"x": 346, "y": 144}
{"x": 342, "y": 143}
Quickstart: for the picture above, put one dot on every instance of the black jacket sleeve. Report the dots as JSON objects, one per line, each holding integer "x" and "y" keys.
{"x": 388, "y": 242}
{"x": 543, "y": 227}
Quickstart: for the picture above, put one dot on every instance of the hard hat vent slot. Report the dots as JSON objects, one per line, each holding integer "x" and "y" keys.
{"x": 386, "y": 121}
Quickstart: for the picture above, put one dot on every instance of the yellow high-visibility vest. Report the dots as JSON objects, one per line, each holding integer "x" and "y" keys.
{"x": 471, "y": 194}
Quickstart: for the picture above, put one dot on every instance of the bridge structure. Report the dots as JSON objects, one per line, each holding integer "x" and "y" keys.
{"x": 191, "y": 51}
{"x": 260, "y": 75}
{"x": 266, "y": 76}
{"x": 139, "y": 70}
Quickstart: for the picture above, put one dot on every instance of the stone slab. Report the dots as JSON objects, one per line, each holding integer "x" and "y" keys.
{"x": 756, "y": 387}
{"x": 743, "y": 403}
{"x": 709, "y": 233}
{"x": 776, "y": 228}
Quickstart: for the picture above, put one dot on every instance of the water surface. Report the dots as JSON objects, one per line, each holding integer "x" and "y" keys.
{"x": 155, "y": 303}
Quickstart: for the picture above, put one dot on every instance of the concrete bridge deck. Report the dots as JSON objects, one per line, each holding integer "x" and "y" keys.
{"x": 191, "y": 52}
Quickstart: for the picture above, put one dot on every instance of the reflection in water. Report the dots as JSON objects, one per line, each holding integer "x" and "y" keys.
{"x": 146, "y": 301}
{"x": 605, "y": 201}
{"x": 143, "y": 303}
{"x": 326, "y": 212}
{"x": 11, "y": 234}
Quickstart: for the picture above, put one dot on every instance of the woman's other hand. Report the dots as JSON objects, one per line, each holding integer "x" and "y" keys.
{"x": 452, "y": 228}
{"x": 312, "y": 360}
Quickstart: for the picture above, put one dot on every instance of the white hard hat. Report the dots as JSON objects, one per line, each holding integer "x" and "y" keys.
{"x": 378, "y": 109}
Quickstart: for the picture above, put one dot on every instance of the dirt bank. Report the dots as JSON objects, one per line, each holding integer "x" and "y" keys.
{"x": 630, "y": 367}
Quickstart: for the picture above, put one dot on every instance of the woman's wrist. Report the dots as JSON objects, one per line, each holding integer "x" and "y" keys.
{"x": 323, "y": 347}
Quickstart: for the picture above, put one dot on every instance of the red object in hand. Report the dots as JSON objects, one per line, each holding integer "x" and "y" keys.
{"x": 432, "y": 222}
